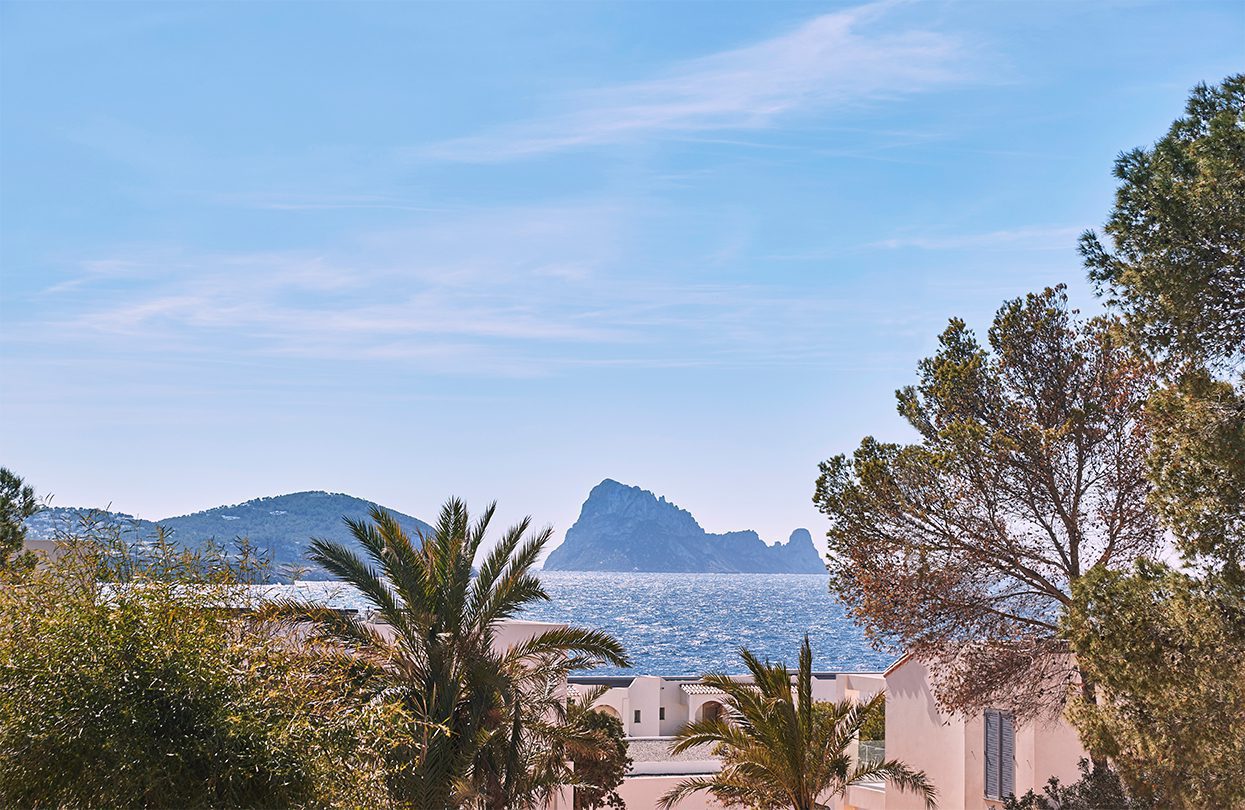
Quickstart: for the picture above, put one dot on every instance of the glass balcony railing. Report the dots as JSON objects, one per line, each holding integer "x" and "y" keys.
{"x": 871, "y": 752}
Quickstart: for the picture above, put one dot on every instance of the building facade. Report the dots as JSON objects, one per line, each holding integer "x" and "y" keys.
{"x": 652, "y": 709}
{"x": 973, "y": 761}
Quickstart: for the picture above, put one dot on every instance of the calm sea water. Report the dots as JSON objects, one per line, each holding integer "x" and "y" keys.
{"x": 687, "y": 624}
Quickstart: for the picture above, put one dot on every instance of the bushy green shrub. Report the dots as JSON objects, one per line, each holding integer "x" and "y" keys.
{"x": 874, "y": 728}
{"x": 130, "y": 677}
{"x": 1097, "y": 789}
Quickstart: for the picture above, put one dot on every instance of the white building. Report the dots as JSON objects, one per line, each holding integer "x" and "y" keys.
{"x": 653, "y": 708}
{"x": 973, "y": 762}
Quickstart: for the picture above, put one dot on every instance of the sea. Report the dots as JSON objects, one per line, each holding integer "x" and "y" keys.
{"x": 690, "y": 624}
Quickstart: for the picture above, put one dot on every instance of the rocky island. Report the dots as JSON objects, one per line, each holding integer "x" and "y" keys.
{"x": 625, "y": 528}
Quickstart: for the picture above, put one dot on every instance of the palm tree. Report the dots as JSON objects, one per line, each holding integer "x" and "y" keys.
{"x": 780, "y": 748}
{"x": 549, "y": 743}
{"x": 431, "y": 644}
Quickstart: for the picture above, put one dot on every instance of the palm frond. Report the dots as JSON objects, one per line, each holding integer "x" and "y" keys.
{"x": 368, "y": 537}
{"x": 779, "y": 746}
{"x": 898, "y": 774}
{"x": 516, "y": 586}
{"x": 850, "y": 717}
{"x": 477, "y": 533}
{"x": 406, "y": 569}
{"x": 347, "y": 566}
{"x": 494, "y": 564}
{"x": 587, "y": 697}
{"x": 684, "y": 789}
{"x": 325, "y": 623}
{"x": 804, "y": 688}
{"x": 562, "y": 640}
{"x": 711, "y": 731}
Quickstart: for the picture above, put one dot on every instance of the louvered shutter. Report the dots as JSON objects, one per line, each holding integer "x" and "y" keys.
{"x": 1007, "y": 754}
{"x": 992, "y": 754}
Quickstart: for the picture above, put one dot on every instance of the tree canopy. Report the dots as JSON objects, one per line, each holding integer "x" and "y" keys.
{"x": 1197, "y": 466}
{"x": 599, "y": 752}
{"x": 1167, "y": 649}
{"x": 17, "y": 502}
{"x": 1167, "y": 646}
{"x": 1176, "y": 265}
{"x": 486, "y": 723}
{"x": 1175, "y": 271}
{"x": 963, "y": 548}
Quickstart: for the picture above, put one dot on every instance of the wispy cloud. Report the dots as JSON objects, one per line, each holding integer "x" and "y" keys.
{"x": 515, "y": 291}
{"x": 831, "y": 61}
{"x": 322, "y": 202}
{"x": 1028, "y": 238}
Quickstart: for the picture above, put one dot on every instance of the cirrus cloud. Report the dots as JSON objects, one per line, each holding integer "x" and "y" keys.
{"x": 835, "y": 60}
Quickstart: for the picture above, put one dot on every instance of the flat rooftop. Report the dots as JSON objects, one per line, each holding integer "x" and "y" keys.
{"x": 601, "y": 680}
{"x": 658, "y": 750}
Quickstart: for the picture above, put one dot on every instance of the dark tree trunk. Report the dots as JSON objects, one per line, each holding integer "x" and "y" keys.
{"x": 1089, "y": 693}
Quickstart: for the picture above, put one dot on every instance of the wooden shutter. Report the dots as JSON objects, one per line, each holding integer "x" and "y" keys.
{"x": 1007, "y": 754}
{"x": 992, "y": 753}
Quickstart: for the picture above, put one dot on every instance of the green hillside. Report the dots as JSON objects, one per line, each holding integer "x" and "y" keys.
{"x": 282, "y": 525}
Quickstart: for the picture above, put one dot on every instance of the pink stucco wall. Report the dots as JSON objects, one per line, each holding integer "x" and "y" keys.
{"x": 509, "y": 633}
{"x": 950, "y": 749}
{"x": 919, "y": 735}
{"x": 643, "y": 793}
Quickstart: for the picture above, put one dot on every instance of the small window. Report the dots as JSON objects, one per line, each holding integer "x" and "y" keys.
{"x": 637, "y": 715}
{"x": 1000, "y": 754}
{"x": 661, "y": 713}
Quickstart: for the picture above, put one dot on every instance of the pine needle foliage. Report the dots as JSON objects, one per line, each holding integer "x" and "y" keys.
{"x": 17, "y": 502}
{"x": 963, "y": 548}
{"x": 1167, "y": 649}
{"x": 1174, "y": 262}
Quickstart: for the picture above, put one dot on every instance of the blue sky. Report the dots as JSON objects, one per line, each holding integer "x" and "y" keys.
{"x": 506, "y": 250}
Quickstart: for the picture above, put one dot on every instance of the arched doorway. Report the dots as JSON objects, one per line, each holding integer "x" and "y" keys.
{"x": 607, "y": 709}
{"x": 712, "y": 710}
